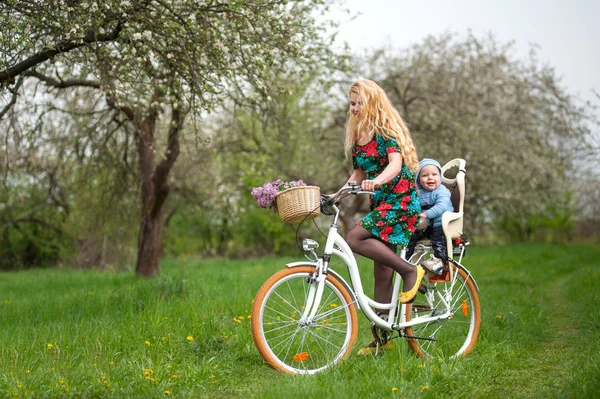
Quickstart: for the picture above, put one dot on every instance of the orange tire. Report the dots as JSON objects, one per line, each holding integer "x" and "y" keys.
{"x": 296, "y": 346}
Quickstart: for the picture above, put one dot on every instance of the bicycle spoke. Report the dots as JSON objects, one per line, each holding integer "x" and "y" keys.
{"x": 309, "y": 346}
{"x": 455, "y": 335}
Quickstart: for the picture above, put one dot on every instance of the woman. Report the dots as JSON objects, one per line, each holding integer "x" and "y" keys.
{"x": 385, "y": 161}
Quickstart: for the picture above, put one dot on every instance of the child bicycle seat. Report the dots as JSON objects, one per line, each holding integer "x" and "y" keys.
{"x": 452, "y": 222}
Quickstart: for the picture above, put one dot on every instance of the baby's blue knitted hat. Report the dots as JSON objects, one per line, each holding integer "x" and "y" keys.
{"x": 428, "y": 161}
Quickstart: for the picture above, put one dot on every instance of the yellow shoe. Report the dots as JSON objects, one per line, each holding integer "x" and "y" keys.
{"x": 408, "y": 296}
{"x": 371, "y": 349}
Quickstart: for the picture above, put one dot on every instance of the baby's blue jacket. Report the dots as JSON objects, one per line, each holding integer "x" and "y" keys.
{"x": 439, "y": 200}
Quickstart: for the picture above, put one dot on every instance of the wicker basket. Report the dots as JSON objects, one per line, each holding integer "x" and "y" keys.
{"x": 297, "y": 204}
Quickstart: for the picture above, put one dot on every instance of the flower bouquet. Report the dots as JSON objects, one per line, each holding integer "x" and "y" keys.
{"x": 295, "y": 201}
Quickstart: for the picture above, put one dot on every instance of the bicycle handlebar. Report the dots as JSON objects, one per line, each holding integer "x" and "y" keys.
{"x": 352, "y": 188}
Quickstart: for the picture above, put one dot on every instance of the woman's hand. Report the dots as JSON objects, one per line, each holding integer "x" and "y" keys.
{"x": 370, "y": 185}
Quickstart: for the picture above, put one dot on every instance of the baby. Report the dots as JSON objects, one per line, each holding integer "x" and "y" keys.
{"x": 435, "y": 200}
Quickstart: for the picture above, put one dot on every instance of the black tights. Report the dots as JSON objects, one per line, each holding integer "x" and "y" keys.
{"x": 386, "y": 262}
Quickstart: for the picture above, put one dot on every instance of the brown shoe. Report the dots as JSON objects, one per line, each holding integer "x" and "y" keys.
{"x": 372, "y": 349}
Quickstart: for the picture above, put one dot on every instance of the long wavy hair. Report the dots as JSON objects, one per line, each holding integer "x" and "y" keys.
{"x": 378, "y": 116}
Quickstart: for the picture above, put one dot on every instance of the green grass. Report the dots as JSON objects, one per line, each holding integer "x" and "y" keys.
{"x": 67, "y": 333}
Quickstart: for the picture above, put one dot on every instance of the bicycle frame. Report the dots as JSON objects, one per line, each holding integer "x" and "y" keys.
{"x": 336, "y": 245}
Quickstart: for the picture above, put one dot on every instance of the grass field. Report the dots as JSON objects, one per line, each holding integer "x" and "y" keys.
{"x": 186, "y": 334}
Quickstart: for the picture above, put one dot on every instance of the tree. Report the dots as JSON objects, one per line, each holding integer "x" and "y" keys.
{"x": 520, "y": 132}
{"x": 154, "y": 65}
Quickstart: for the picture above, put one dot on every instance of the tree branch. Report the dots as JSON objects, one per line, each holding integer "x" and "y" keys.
{"x": 164, "y": 167}
{"x": 9, "y": 74}
{"x": 63, "y": 84}
{"x": 13, "y": 100}
{"x": 31, "y": 219}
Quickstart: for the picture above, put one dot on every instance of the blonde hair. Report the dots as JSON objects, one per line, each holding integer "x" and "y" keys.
{"x": 378, "y": 116}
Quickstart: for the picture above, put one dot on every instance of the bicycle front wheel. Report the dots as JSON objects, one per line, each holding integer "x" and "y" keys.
{"x": 296, "y": 346}
{"x": 446, "y": 338}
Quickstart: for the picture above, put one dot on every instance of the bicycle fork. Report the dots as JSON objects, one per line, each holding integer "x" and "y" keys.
{"x": 313, "y": 299}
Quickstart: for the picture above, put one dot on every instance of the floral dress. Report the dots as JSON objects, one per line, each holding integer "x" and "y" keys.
{"x": 395, "y": 205}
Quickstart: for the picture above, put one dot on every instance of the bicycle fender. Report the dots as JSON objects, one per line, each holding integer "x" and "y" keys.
{"x": 466, "y": 271}
{"x": 334, "y": 274}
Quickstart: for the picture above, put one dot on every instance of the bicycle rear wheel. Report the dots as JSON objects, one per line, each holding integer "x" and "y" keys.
{"x": 447, "y": 338}
{"x": 293, "y": 346}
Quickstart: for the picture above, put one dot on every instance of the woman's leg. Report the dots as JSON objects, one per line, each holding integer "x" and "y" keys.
{"x": 383, "y": 281}
{"x": 364, "y": 243}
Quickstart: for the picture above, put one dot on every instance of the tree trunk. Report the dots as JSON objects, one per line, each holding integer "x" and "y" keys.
{"x": 154, "y": 187}
{"x": 149, "y": 245}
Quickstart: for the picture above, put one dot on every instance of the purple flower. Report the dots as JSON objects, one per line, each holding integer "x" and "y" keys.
{"x": 265, "y": 195}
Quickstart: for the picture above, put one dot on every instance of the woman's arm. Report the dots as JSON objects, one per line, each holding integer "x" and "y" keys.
{"x": 357, "y": 176}
{"x": 390, "y": 171}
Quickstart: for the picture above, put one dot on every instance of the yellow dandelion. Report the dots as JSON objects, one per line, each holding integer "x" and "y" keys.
{"x": 248, "y": 317}
{"x": 49, "y": 346}
{"x": 190, "y": 338}
{"x": 394, "y": 389}
{"x": 424, "y": 388}
{"x": 167, "y": 392}
{"x": 499, "y": 317}
{"x": 27, "y": 371}
{"x": 148, "y": 343}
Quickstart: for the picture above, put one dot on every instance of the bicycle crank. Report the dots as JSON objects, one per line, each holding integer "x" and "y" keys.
{"x": 423, "y": 338}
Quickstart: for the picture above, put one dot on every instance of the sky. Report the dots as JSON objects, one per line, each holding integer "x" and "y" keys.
{"x": 566, "y": 32}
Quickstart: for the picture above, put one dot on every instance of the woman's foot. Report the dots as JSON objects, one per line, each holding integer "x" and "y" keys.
{"x": 408, "y": 296}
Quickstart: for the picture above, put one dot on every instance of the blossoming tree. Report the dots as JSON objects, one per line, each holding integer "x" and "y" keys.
{"x": 155, "y": 67}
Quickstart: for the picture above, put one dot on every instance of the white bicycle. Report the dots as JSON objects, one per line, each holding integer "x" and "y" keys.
{"x": 304, "y": 317}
